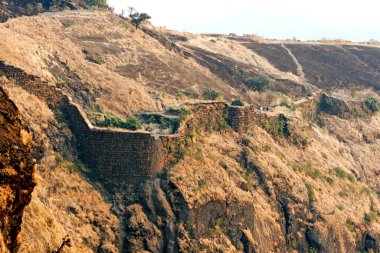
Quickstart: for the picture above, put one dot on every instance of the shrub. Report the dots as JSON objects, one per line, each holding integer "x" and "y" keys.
{"x": 372, "y": 104}
{"x": 258, "y": 83}
{"x": 339, "y": 172}
{"x": 181, "y": 112}
{"x": 181, "y": 95}
{"x": 130, "y": 123}
{"x": 311, "y": 192}
{"x": 237, "y": 102}
{"x": 211, "y": 94}
{"x": 313, "y": 250}
{"x": 308, "y": 170}
{"x": 329, "y": 180}
{"x": 370, "y": 217}
{"x": 279, "y": 127}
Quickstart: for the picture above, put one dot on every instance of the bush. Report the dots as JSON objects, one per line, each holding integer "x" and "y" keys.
{"x": 181, "y": 95}
{"x": 258, "y": 83}
{"x": 210, "y": 94}
{"x": 372, "y": 104}
{"x": 339, "y": 172}
{"x": 311, "y": 192}
{"x": 181, "y": 112}
{"x": 237, "y": 102}
{"x": 370, "y": 217}
{"x": 131, "y": 123}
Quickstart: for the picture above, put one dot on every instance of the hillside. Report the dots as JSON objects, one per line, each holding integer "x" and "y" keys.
{"x": 292, "y": 167}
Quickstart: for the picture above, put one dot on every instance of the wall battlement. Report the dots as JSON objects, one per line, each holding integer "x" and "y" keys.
{"x": 125, "y": 159}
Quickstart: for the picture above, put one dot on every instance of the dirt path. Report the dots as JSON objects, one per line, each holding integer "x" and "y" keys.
{"x": 300, "y": 72}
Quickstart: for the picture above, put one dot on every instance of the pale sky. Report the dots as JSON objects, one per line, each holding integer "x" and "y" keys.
{"x": 282, "y": 19}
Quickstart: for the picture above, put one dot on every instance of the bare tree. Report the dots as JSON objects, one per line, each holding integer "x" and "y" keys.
{"x": 131, "y": 10}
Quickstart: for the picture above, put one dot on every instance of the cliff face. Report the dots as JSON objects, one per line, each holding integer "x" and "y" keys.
{"x": 17, "y": 172}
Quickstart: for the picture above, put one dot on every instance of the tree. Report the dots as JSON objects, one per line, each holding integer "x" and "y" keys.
{"x": 372, "y": 104}
{"x": 137, "y": 18}
{"x": 211, "y": 94}
{"x": 259, "y": 83}
{"x": 131, "y": 10}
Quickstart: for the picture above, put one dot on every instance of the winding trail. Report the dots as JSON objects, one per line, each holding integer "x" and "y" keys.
{"x": 300, "y": 72}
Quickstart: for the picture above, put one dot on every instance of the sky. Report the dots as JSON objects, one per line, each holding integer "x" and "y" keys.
{"x": 281, "y": 19}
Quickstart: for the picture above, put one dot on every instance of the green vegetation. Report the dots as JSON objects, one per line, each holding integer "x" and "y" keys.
{"x": 291, "y": 243}
{"x": 130, "y": 123}
{"x": 366, "y": 190}
{"x": 220, "y": 227}
{"x": 181, "y": 95}
{"x": 211, "y": 94}
{"x": 311, "y": 192}
{"x": 308, "y": 170}
{"x": 313, "y": 250}
{"x": 279, "y": 127}
{"x": 328, "y": 179}
{"x": 370, "y": 217}
{"x": 181, "y": 112}
{"x": 339, "y": 172}
{"x": 372, "y": 104}
{"x": 237, "y": 102}
{"x": 137, "y": 18}
{"x": 258, "y": 83}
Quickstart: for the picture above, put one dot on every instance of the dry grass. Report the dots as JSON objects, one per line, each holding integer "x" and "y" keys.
{"x": 211, "y": 171}
{"x": 65, "y": 203}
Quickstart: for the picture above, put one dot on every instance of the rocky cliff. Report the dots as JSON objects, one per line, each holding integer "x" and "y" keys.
{"x": 17, "y": 168}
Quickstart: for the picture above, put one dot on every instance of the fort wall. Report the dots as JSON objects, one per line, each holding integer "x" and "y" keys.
{"x": 126, "y": 158}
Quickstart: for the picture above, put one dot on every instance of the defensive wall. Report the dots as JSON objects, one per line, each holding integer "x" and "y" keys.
{"x": 125, "y": 159}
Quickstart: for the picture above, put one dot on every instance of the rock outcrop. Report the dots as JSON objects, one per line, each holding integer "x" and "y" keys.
{"x": 17, "y": 171}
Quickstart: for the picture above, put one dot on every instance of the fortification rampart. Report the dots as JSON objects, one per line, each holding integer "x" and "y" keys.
{"x": 31, "y": 83}
{"x": 122, "y": 158}
{"x": 127, "y": 158}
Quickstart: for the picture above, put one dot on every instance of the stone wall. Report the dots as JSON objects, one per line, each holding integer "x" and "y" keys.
{"x": 125, "y": 159}
{"x": 340, "y": 107}
{"x": 31, "y": 83}
{"x": 121, "y": 158}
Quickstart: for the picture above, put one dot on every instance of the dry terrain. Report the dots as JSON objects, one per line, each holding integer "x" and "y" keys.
{"x": 257, "y": 191}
